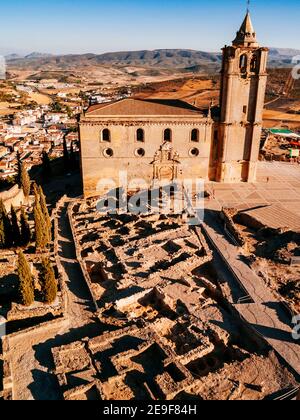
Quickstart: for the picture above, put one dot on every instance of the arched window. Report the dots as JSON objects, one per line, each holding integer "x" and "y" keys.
{"x": 168, "y": 135}
{"x": 243, "y": 63}
{"x": 254, "y": 63}
{"x": 195, "y": 135}
{"x": 106, "y": 135}
{"x": 140, "y": 135}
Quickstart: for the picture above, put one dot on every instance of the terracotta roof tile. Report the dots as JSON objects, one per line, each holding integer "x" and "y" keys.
{"x": 140, "y": 107}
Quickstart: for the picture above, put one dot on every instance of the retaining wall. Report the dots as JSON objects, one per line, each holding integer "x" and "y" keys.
{"x": 78, "y": 255}
{"x": 14, "y": 196}
{"x": 227, "y": 217}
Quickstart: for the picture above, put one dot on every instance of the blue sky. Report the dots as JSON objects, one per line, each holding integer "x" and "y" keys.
{"x": 78, "y": 26}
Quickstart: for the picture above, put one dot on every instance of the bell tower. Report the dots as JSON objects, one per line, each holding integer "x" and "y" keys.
{"x": 243, "y": 86}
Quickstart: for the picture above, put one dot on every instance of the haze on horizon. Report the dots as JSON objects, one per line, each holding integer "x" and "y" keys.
{"x": 98, "y": 26}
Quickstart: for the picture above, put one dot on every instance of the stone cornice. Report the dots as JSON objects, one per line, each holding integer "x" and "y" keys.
{"x": 107, "y": 123}
{"x": 241, "y": 124}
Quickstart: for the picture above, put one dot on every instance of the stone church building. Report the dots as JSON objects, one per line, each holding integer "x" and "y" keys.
{"x": 168, "y": 140}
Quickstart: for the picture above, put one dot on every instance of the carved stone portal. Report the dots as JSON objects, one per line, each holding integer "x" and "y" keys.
{"x": 166, "y": 164}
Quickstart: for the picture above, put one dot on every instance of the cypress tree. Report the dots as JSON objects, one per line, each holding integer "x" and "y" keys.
{"x": 25, "y": 180}
{"x": 41, "y": 234}
{"x": 36, "y": 192}
{"x": 2, "y": 234}
{"x": 25, "y": 229}
{"x": 19, "y": 164}
{"x": 45, "y": 212}
{"x": 73, "y": 163}
{"x": 46, "y": 168}
{"x": 6, "y": 239}
{"x": 66, "y": 156}
{"x": 26, "y": 284}
{"x": 16, "y": 235}
{"x": 48, "y": 282}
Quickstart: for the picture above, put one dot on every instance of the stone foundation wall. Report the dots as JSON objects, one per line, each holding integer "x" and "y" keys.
{"x": 14, "y": 196}
{"x": 78, "y": 254}
{"x": 18, "y": 312}
{"x": 7, "y": 393}
{"x": 227, "y": 217}
{"x": 251, "y": 222}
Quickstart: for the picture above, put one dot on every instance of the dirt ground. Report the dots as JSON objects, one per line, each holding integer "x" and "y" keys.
{"x": 6, "y": 108}
{"x": 198, "y": 91}
{"x": 279, "y": 116}
{"x": 281, "y": 278}
{"x": 40, "y": 98}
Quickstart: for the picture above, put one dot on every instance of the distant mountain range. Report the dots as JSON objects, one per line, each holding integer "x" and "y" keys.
{"x": 166, "y": 58}
{"x": 282, "y": 55}
{"x": 31, "y": 55}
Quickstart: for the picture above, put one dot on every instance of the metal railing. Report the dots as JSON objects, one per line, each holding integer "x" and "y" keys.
{"x": 245, "y": 299}
{"x": 288, "y": 395}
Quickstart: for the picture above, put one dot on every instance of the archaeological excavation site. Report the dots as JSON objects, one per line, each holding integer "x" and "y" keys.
{"x": 149, "y": 204}
{"x": 156, "y": 307}
{"x": 169, "y": 326}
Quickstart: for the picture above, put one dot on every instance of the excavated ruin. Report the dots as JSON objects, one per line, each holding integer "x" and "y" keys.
{"x": 168, "y": 330}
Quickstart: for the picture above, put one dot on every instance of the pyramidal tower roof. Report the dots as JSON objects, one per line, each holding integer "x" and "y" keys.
{"x": 246, "y": 36}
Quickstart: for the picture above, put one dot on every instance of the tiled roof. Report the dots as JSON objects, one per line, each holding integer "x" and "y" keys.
{"x": 140, "y": 107}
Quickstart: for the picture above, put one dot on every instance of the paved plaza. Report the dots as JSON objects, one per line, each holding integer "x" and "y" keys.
{"x": 277, "y": 182}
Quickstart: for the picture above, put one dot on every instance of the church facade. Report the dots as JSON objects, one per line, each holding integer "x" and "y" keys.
{"x": 162, "y": 141}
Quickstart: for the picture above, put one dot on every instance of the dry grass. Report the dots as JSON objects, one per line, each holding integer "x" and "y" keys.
{"x": 6, "y": 108}
{"x": 40, "y": 98}
{"x": 278, "y": 115}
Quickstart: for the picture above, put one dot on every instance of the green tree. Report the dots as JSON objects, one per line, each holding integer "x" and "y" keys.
{"x": 25, "y": 180}
{"x": 68, "y": 110}
{"x": 2, "y": 234}
{"x": 16, "y": 235}
{"x": 73, "y": 161}
{"x": 41, "y": 234}
{"x": 36, "y": 192}
{"x": 42, "y": 221}
{"x": 46, "y": 166}
{"x": 48, "y": 282}
{"x": 45, "y": 212}
{"x": 19, "y": 169}
{"x": 26, "y": 283}
{"x": 25, "y": 229}
{"x": 6, "y": 239}
{"x": 66, "y": 156}
{"x": 56, "y": 107}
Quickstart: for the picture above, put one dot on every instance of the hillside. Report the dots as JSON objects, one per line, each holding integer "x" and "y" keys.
{"x": 282, "y": 57}
{"x": 165, "y": 58}
{"x": 179, "y": 59}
